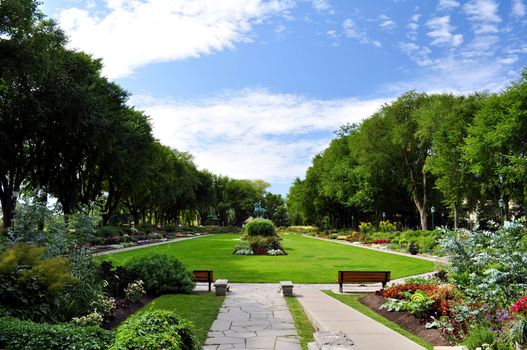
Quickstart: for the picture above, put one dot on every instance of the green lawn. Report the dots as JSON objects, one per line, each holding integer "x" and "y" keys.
{"x": 353, "y": 301}
{"x": 200, "y": 309}
{"x": 308, "y": 260}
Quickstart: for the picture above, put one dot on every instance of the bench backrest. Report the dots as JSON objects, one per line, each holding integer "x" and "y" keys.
{"x": 202, "y": 276}
{"x": 364, "y": 276}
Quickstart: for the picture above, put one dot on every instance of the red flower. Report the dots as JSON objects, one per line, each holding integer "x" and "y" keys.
{"x": 520, "y": 306}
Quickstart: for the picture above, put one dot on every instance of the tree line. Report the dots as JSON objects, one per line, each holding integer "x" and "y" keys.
{"x": 455, "y": 159}
{"x": 67, "y": 132}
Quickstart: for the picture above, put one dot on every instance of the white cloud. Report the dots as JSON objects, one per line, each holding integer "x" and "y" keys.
{"x": 518, "y": 8}
{"x": 322, "y": 5}
{"x": 419, "y": 54}
{"x": 441, "y": 32}
{"x": 484, "y": 15}
{"x": 447, "y": 4}
{"x": 133, "y": 34}
{"x": 253, "y": 134}
{"x": 387, "y": 23}
{"x": 351, "y": 31}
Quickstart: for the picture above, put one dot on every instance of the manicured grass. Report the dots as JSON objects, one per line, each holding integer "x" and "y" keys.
{"x": 308, "y": 260}
{"x": 353, "y": 301}
{"x": 200, "y": 309}
{"x": 302, "y": 324}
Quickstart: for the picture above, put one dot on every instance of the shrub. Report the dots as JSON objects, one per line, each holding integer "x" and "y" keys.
{"x": 18, "y": 334}
{"x": 387, "y": 226}
{"x": 381, "y": 241}
{"x": 108, "y": 231}
{"x": 117, "y": 278}
{"x": 260, "y": 227}
{"x": 93, "y": 319}
{"x": 479, "y": 336}
{"x": 413, "y": 249}
{"x": 162, "y": 274}
{"x": 243, "y": 247}
{"x": 134, "y": 291}
{"x": 307, "y": 230}
{"x": 155, "y": 330}
{"x": 31, "y": 285}
{"x": 260, "y": 245}
{"x": 366, "y": 227}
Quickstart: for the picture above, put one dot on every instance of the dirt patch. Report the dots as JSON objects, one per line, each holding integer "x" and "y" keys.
{"x": 406, "y": 321}
{"x": 122, "y": 312}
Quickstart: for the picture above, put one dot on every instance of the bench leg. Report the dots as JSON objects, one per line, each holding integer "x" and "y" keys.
{"x": 340, "y": 287}
{"x": 210, "y": 286}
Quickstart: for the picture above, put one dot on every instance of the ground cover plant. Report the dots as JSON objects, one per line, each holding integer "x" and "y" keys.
{"x": 215, "y": 253}
{"x": 199, "y": 309}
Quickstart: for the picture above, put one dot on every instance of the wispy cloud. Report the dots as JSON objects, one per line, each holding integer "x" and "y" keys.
{"x": 447, "y": 4}
{"x": 441, "y": 32}
{"x": 253, "y": 133}
{"x": 322, "y": 6}
{"x": 352, "y": 31}
{"x": 484, "y": 16}
{"x": 518, "y": 8}
{"x": 129, "y": 35}
{"x": 387, "y": 23}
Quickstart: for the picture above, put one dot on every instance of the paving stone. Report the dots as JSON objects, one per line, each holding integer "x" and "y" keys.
{"x": 243, "y": 334}
{"x": 226, "y": 346}
{"x": 220, "y": 325}
{"x": 213, "y": 334}
{"x": 210, "y": 347}
{"x": 261, "y": 342}
{"x": 289, "y": 339}
{"x": 224, "y": 340}
{"x": 283, "y": 345}
{"x": 276, "y": 332}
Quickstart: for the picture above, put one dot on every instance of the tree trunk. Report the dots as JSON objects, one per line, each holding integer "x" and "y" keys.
{"x": 455, "y": 217}
{"x": 7, "y": 212}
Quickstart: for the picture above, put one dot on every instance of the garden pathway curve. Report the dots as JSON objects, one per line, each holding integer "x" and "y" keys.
{"x": 253, "y": 316}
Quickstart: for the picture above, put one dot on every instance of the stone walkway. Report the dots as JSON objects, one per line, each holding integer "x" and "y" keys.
{"x": 253, "y": 316}
{"x": 111, "y": 251}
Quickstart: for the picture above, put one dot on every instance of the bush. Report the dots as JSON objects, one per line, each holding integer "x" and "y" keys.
{"x": 134, "y": 291}
{"x": 260, "y": 227}
{"x": 387, "y": 226}
{"x": 366, "y": 227}
{"x": 18, "y": 334}
{"x": 480, "y": 335}
{"x": 31, "y": 285}
{"x": 162, "y": 274}
{"x": 117, "y": 278}
{"x": 155, "y": 330}
{"x": 108, "y": 231}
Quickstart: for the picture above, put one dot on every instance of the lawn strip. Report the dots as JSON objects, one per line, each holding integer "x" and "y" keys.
{"x": 200, "y": 309}
{"x": 353, "y": 301}
{"x": 302, "y": 324}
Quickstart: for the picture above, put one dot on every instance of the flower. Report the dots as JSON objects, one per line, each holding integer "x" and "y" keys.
{"x": 519, "y": 307}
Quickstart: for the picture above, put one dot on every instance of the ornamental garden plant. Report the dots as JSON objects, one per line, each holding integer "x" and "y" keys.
{"x": 260, "y": 238}
{"x": 480, "y": 300}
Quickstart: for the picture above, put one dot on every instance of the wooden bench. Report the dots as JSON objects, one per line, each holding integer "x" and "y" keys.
{"x": 363, "y": 277}
{"x": 206, "y": 276}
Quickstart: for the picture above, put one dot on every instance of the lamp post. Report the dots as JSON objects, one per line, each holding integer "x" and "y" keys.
{"x": 353, "y": 222}
{"x": 383, "y": 216}
{"x": 433, "y": 210}
{"x": 501, "y": 204}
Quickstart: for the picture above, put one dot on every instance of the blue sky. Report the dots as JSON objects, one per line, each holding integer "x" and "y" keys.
{"x": 254, "y": 89}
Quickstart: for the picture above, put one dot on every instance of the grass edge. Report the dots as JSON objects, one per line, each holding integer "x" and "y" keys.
{"x": 302, "y": 324}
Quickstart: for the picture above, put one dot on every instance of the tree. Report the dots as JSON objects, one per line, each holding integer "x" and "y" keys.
{"x": 29, "y": 45}
{"x": 445, "y": 119}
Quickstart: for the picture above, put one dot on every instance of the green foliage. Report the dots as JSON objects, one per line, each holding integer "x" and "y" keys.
{"x": 27, "y": 335}
{"x": 366, "y": 227}
{"x": 489, "y": 267}
{"x": 480, "y": 336}
{"x": 107, "y": 231}
{"x": 161, "y": 274}
{"x": 155, "y": 330}
{"x": 31, "y": 285}
{"x": 260, "y": 227}
{"x": 387, "y": 226}
{"x": 134, "y": 291}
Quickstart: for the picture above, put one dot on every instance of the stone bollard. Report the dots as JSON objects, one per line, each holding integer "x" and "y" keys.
{"x": 331, "y": 340}
{"x": 287, "y": 288}
{"x": 221, "y": 287}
